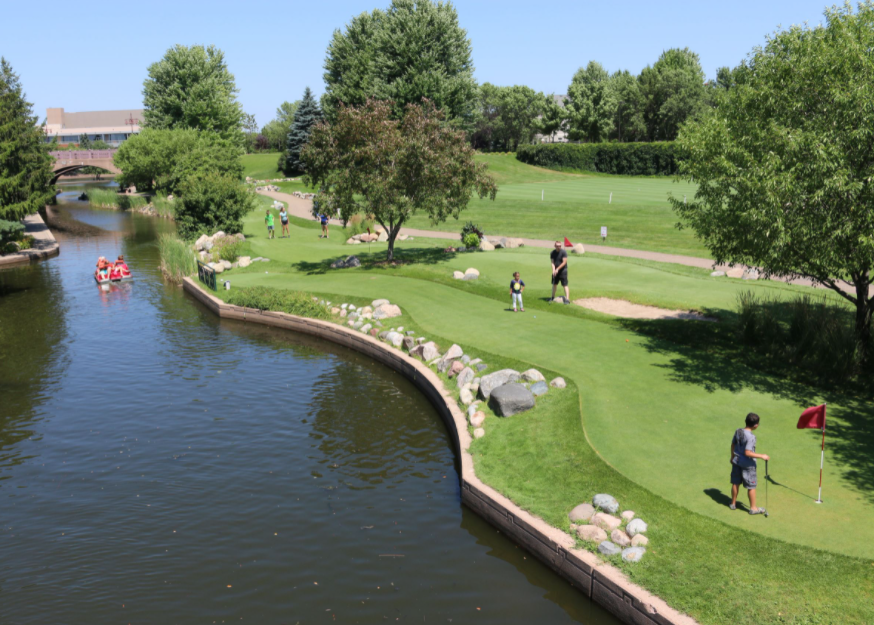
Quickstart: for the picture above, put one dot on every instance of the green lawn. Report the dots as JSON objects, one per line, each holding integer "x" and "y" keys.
{"x": 646, "y": 419}
{"x": 261, "y": 165}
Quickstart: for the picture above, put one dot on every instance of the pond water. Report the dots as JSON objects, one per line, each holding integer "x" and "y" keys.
{"x": 158, "y": 465}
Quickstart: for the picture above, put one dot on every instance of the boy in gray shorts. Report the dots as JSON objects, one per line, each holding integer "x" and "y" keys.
{"x": 743, "y": 463}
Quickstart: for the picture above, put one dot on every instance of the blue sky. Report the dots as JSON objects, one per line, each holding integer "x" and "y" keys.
{"x": 93, "y": 55}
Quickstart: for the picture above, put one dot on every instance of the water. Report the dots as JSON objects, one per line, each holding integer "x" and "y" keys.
{"x": 158, "y": 465}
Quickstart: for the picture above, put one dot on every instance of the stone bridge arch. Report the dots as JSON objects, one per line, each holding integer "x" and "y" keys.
{"x": 67, "y": 162}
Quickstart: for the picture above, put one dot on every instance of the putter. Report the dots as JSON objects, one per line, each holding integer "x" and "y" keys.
{"x": 766, "y": 489}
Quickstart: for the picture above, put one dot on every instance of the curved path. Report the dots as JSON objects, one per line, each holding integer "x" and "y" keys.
{"x": 302, "y": 208}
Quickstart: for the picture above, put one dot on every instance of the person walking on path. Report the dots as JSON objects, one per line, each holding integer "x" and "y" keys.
{"x": 743, "y": 463}
{"x": 271, "y": 234}
{"x": 283, "y": 219}
{"x": 324, "y": 219}
{"x": 516, "y": 288}
{"x": 558, "y": 259}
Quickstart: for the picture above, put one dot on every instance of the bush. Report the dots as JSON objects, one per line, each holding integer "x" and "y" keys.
{"x": 10, "y": 231}
{"x": 164, "y": 207}
{"x": 358, "y": 224}
{"x": 177, "y": 258}
{"x": 471, "y": 228}
{"x": 291, "y": 302}
{"x": 229, "y": 249}
{"x": 212, "y": 202}
{"x": 627, "y": 159}
{"x": 470, "y": 240}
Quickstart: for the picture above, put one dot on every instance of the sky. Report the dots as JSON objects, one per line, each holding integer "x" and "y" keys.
{"x": 94, "y": 55}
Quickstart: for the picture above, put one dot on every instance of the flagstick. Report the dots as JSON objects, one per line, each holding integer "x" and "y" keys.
{"x": 821, "y": 460}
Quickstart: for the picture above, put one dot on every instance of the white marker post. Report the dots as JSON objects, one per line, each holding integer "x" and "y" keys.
{"x": 603, "y": 233}
{"x": 611, "y": 198}
{"x": 541, "y": 194}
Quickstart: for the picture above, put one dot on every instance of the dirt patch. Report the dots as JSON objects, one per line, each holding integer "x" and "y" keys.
{"x": 621, "y": 308}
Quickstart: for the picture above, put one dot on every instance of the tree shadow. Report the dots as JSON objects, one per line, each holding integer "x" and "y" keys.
{"x": 377, "y": 260}
{"x": 708, "y": 356}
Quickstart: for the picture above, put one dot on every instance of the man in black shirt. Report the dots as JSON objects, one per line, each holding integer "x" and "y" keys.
{"x": 558, "y": 259}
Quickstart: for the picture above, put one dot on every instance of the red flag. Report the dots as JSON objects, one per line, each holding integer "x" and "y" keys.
{"x": 567, "y": 243}
{"x": 812, "y": 418}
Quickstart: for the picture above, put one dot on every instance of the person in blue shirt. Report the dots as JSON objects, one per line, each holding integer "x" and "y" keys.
{"x": 743, "y": 463}
{"x": 516, "y": 288}
{"x": 324, "y": 219}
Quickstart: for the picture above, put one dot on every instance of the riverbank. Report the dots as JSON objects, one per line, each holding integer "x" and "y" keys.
{"x": 44, "y": 243}
{"x": 603, "y": 583}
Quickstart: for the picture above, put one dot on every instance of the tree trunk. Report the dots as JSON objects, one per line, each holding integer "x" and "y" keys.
{"x": 864, "y": 308}
{"x": 392, "y": 235}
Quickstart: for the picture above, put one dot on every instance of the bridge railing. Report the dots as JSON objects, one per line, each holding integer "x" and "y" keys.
{"x": 83, "y": 155}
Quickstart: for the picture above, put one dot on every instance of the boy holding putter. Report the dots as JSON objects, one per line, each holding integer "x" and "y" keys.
{"x": 743, "y": 463}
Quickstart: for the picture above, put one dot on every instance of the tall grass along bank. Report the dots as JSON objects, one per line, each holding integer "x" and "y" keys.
{"x": 177, "y": 258}
{"x": 291, "y": 302}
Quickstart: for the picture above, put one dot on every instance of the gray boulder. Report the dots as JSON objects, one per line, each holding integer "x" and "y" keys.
{"x": 607, "y": 503}
{"x": 365, "y": 328}
{"x": 349, "y": 261}
{"x": 609, "y": 549}
{"x": 481, "y": 367}
{"x": 510, "y": 399}
{"x": 633, "y": 554}
{"x": 465, "y": 359}
{"x": 465, "y": 377}
{"x": 717, "y": 274}
{"x": 472, "y": 409}
{"x": 379, "y": 302}
{"x": 539, "y": 388}
{"x": 494, "y": 380}
{"x": 409, "y": 343}
{"x": 453, "y": 353}
{"x": 635, "y": 527}
{"x": 387, "y": 311}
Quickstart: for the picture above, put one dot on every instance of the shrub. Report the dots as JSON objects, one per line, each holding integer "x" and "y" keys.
{"x": 470, "y": 240}
{"x": 212, "y": 202}
{"x": 627, "y": 159}
{"x": 358, "y": 224}
{"x": 164, "y": 207}
{"x": 291, "y": 302}
{"x": 177, "y": 258}
{"x": 471, "y": 228}
{"x": 229, "y": 250}
{"x": 10, "y": 230}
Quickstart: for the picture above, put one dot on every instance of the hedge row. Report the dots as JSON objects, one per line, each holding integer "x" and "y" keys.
{"x": 628, "y": 159}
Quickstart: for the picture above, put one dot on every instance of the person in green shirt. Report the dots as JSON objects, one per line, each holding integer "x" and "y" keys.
{"x": 271, "y": 234}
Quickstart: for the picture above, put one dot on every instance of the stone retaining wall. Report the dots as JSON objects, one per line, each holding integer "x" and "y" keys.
{"x": 44, "y": 243}
{"x": 604, "y": 583}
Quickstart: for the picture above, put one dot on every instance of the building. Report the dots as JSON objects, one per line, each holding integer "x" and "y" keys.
{"x": 113, "y": 127}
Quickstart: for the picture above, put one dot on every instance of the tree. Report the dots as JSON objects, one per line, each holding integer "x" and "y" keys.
{"x": 250, "y": 127}
{"x": 506, "y": 116}
{"x": 25, "y": 165}
{"x": 784, "y": 166}
{"x": 212, "y": 201}
{"x": 277, "y": 129}
{"x": 591, "y": 108}
{"x": 308, "y": 114}
{"x": 413, "y": 50}
{"x": 629, "y": 125}
{"x": 192, "y": 88}
{"x": 84, "y": 142}
{"x": 673, "y": 91}
{"x": 554, "y": 118}
{"x": 368, "y": 162}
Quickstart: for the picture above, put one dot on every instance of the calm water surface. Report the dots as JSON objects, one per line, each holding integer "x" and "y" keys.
{"x": 160, "y": 466}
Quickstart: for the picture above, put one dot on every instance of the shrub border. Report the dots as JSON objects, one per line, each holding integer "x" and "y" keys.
{"x": 34, "y": 224}
{"x": 600, "y": 581}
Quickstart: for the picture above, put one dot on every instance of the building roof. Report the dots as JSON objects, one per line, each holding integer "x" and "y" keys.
{"x": 60, "y": 122}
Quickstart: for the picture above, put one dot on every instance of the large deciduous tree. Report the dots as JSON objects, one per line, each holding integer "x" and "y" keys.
{"x": 553, "y": 119}
{"x": 368, "y": 162}
{"x": 785, "y": 163}
{"x": 673, "y": 91}
{"x": 25, "y": 166}
{"x": 591, "y": 107}
{"x": 629, "y": 104}
{"x": 506, "y": 116}
{"x": 192, "y": 88}
{"x": 307, "y": 115}
{"x": 276, "y": 130}
{"x": 415, "y": 49}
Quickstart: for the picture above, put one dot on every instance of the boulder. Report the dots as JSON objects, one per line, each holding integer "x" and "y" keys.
{"x": 627, "y": 515}
{"x": 620, "y": 538}
{"x": 387, "y": 311}
{"x": 558, "y": 383}
{"x": 510, "y": 399}
{"x": 579, "y": 249}
{"x": 201, "y": 241}
{"x": 717, "y": 274}
{"x": 470, "y": 276}
{"x": 244, "y": 261}
{"x": 218, "y": 234}
{"x": 208, "y": 244}
{"x": 481, "y": 367}
{"x": 357, "y": 325}
{"x": 494, "y": 380}
{"x": 465, "y": 359}
{"x": 639, "y": 541}
{"x": 366, "y": 328}
{"x": 633, "y": 554}
{"x": 606, "y": 521}
{"x": 443, "y": 365}
{"x": 455, "y": 368}
{"x": 609, "y": 549}
{"x": 475, "y": 362}
{"x": 539, "y": 388}
{"x": 383, "y": 236}
{"x": 591, "y": 534}
{"x": 532, "y": 375}
{"x": 409, "y": 343}
{"x": 472, "y": 408}
{"x": 465, "y": 376}
{"x": 335, "y": 311}
{"x": 607, "y": 503}
{"x": 374, "y": 332}
{"x": 485, "y": 246}
{"x": 453, "y": 353}
{"x": 477, "y": 418}
{"x": 228, "y": 264}
{"x": 218, "y": 267}
{"x": 426, "y": 352}
{"x": 635, "y": 527}
{"x": 457, "y": 275}
{"x": 471, "y": 270}
{"x": 349, "y": 261}
{"x": 465, "y": 396}
{"x": 750, "y": 274}
{"x": 395, "y": 338}
{"x": 479, "y": 433}
{"x": 583, "y": 512}
{"x": 351, "y": 241}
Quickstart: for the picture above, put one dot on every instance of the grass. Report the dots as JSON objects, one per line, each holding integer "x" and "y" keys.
{"x": 261, "y": 165}
{"x": 107, "y": 198}
{"x": 291, "y": 302}
{"x": 177, "y": 258}
{"x": 648, "y": 418}
{"x": 164, "y": 207}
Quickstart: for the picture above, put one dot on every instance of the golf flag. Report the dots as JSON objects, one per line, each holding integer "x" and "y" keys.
{"x": 814, "y": 419}
{"x": 567, "y": 243}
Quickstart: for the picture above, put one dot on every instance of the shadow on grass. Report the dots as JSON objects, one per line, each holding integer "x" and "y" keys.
{"x": 719, "y": 497}
{"x": 708, "y": 355}
{"x": 377, "y": 260}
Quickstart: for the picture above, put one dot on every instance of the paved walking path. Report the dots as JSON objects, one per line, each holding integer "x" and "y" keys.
{"x": 302, "y": 208}
{"x": 44, "y": 243}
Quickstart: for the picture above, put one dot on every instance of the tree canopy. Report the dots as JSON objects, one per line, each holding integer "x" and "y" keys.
{"x": 673, "y": 91}
{"x": 784, "y": 166}
{"x": 506, "y": 116}
{"x": 192, "y": 88}
{"x": 25, "y": 165}
{"x": 590, "y": 104}
{"x": 368, "y": 162}
{"x": 415, "y": 49}
{"x": 307, "y": 115}
{"x": 277, "y": 129}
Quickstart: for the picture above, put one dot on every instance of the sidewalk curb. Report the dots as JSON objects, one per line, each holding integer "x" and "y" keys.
{"x": 47, "y": 246}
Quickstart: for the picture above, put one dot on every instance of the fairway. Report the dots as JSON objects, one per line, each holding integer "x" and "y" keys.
{"x": 261, "y": 165}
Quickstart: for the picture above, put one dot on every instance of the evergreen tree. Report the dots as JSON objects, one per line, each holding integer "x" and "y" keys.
{"x": 25, "y": 165}
{"x": 308, "y": 115}
{"x": 84, "y": 142}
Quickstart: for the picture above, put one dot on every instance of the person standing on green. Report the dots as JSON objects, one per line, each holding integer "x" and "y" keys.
{"x": 271, "y": 234}
{"x": 558, "y": 261}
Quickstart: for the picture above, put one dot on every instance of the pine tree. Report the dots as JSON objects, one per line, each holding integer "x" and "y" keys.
{"x": 25, "y": 165}
{"x": 308, "y": 115}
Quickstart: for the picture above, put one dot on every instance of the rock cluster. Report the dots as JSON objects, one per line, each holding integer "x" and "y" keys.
{"x": 348, "y": 262}
{"x": 268, "y": 187}
{"x": 470, "y": 274}
{"x": 380, "y": 236}
{"x": 595, "y": 523}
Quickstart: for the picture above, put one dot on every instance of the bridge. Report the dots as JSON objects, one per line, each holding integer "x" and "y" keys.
{"x": 68, "y": 162}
